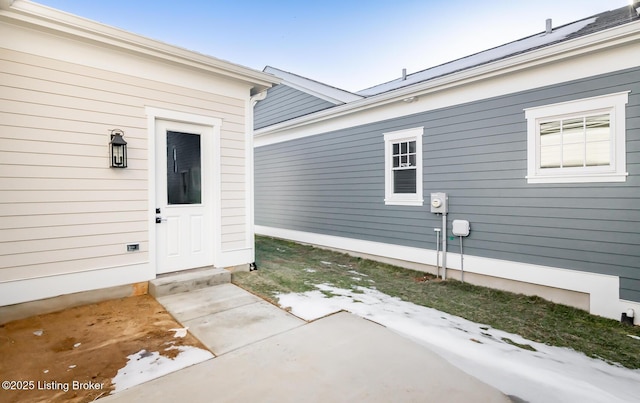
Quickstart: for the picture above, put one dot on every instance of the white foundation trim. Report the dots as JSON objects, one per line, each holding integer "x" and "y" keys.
{"x": 15, "y": 292}
{"x": 603, "y": 289}
{"x": 235, "y": 258}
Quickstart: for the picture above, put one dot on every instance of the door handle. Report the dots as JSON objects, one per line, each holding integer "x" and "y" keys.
{"x": 160, "y": 219}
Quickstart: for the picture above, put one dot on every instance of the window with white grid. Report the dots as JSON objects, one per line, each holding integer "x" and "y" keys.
{"x": 403, "y": 167}
{"x": 577, "y": 141}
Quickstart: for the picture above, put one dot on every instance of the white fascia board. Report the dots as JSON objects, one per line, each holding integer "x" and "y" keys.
{"x": 26, "y": 13}
{"x": 330, "y": 94}
{"x": 628, "y": 34}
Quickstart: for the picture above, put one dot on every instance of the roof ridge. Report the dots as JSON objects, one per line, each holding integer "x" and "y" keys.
{"x": 579, "y": 32}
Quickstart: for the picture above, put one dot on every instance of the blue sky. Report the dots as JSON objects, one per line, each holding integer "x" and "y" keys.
{"x": 349, "y": 44}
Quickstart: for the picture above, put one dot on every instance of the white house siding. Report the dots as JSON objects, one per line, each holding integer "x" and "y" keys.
{"x": 63, "y": 211}
{"x": 234, "y": 194}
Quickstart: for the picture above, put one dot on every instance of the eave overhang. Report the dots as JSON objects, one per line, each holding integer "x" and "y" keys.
{"x": 39, "y": 17}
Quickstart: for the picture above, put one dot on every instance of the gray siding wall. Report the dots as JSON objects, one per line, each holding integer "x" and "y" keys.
{"x": 333, "y": 184}
{"x": 284, "y": 103}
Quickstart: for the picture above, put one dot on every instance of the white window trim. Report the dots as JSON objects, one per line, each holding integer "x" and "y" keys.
{"x": 614, "y": 104}
{"x": 403, "y": 199}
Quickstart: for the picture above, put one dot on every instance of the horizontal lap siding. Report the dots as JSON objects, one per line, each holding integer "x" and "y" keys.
{"x": 334, "y": 184}
{"x": 233, "y": 191}
{"x": 284, "y": 103}
{"x": 331, "y": 184}
{"x": 62, "y": 209}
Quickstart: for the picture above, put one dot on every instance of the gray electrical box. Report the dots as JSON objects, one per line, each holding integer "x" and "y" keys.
{"x": 438, "y": 202}
{"x": 460, "y": 227}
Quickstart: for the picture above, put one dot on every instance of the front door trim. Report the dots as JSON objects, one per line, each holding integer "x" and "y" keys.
{"x": 153, "y": 115}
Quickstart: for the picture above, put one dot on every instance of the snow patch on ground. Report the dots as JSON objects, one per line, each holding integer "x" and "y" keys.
{"x": 144, "y": 366}
{"x": 549, "y": 374}
{"x": 181, "y": 332}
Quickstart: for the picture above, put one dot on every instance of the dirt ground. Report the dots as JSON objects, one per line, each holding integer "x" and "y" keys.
{"x": 82, "y": 348}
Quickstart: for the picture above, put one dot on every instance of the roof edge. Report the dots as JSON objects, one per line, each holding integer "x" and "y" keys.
{"x": 550, "y": 54}
{"x": 24, "y": 12}
{"x": 323, "y": 91}
{"x": 537, "y": 40}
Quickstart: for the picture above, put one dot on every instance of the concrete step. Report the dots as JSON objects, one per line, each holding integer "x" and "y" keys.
{"x": 174, "y": 283}
{"x": 226, "y": 317}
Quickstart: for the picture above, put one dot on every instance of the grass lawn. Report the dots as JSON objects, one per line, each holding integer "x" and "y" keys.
{"x": 285, "y": 267}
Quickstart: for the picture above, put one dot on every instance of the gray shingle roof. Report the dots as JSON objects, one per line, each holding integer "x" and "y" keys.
{"x": 585, "y": 26}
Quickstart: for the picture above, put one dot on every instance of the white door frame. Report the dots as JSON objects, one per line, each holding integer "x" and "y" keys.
{"x": 154, "y": 114}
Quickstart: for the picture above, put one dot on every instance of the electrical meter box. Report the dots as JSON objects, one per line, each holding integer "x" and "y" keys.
{"x": 438, "y": 202}
{"x": 460, "y": 228}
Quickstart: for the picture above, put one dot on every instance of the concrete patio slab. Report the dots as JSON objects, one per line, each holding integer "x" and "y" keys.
{"x": 230, "y": 329}
{"x": 194, "y": 304}
{"x": 340, "y": 358}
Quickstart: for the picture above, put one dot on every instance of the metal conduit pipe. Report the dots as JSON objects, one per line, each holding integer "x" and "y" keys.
{"x": 437, "y": 231}
{"x": 444, "y": 246}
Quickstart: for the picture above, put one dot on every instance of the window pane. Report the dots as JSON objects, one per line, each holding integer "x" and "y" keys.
{"x": 550, "y": 145}
{"x": 573, "y": 143}
{"x": 598, "y": 154}
{"x": 412, "y": 160}
{"x": 412, "y": 146}
{"x": 549, "y": 128}
{"x": 404, "y": 181}
{"x": 396, "y": 149}
{"x": 598, "y": 143}
{"x": 403, "y": 148}
{"x": 183, "y": 168}
{"x": 573, "y": 155}
{"x": 403, "y": 161}
{"x": 396, "y": 162}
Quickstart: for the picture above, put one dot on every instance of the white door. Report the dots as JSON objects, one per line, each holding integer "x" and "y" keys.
{"x": 184, "y": 210}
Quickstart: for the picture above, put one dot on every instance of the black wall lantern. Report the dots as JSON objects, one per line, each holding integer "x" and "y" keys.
{"x": 118, "y": 149}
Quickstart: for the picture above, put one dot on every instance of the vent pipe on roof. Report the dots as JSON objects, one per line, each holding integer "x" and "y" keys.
{"x": 404, "y": 74}
{"x": 548, "y": 28}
